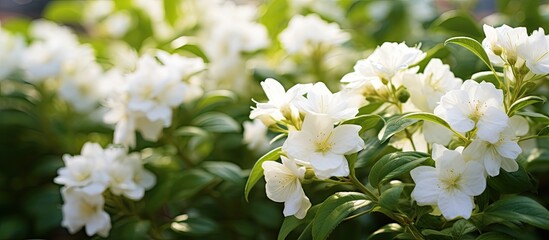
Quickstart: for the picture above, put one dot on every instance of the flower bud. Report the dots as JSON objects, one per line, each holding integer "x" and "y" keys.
{"x": 497, "y": 50}
{"x": 403, "y": 95}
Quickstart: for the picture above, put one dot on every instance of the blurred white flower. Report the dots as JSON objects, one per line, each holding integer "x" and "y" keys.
{"x": 535, "y": 51}
{"x": 474, "y": 105}
{"x": 127, "y": 175}
{"x": 501, "y": 43}
{"x": 283, "y": 185}
{"x": 255, "y": 135}
{"x": 501, "y": 154}
{"x": 11, "y": 51}
{"x": 450, "y": 185}
{"x": 81, "y": 209}
{"x": 281, "y": 104}
{"x": 321, "y": 101}
{"x": 311, "y": 31}
{"x": 85, "y": 171}
{"x": 117, "y": 24}
{"x": 322, "y": 146}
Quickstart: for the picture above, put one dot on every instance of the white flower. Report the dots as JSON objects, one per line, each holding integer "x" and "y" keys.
{"x": 501, "y": 154}
{"x": 474, "y": 105}
{"x": 389, "y": 59}
{"x": 450, "y": 185}
{"x": 255, "y": 135}
{"x": 124, "y": 170}
{"x": 281, "y": 104}
{"x": 321, "y": 101}
{"x": 85, "y": 171}
{"x": 535, "y": 51}
{"x": 81, "y": 209}
{"x": 303, "y": 31}
{"x": 322, "y": 146}
{"x": 283, "y": 185}
{"x": 501, "y": 43}
{"x": 11, "y": 51}
{"x": 426, "y": 88}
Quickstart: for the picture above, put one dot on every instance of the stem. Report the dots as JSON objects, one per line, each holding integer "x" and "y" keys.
{"x": 409, "y": 136}
{"x": 363, "y": 188}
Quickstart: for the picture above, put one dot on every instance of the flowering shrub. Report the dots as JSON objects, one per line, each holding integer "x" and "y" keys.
{"x": 161, "y": 119}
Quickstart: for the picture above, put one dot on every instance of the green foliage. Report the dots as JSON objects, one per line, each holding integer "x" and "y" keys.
{"x": 393, "y": 165}
{"x": 515, "y": 209}
{"x": 473, "y": 46}
{"x": 257, "y": 171}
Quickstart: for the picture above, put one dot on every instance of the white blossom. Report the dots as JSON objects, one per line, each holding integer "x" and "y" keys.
{"x": 501, "y": 43}
{"x": 502, "y": 153}
{"x": 322, "y": 146}
{"x": 81, "y": 209}
{"x": 281, "y": 104}
{"x": 311, "y": 31}
{"x": 283, "y": 185}
{"x": 474, "y": 105}
{"x": 11, "y": 51}
{"x": 450, "y": 185}
{"x": 535, "y": 51}
{"x": 321, "y": 101}
{"x": 255, "y": 135}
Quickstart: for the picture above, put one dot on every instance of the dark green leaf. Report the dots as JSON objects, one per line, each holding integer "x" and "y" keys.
{"x": 517, "y": 208}
{"x": 493, "y": 236}
{"x": 462, "y": 227}
{"x": 217, "y": 122}
{"x": 544, "y": 131}
{"x": 290, "y": 223}
{"x": 389, "y": 198}
{"x": 214, "y": 98}
{"x": 431, "y": 118}
{"x": 189, "y": 182}
{"x": 372, "y": 148}
{"x": 388, "y": 231}
{"x": 458, "y": 22}
{"x": 366, "y": 121}
{"x": 473, "y": 46}
{"x": 393, "y": 165}
{"x": 195, "y": 226}
{"x": 511, "y": 182}
{"x": 226, "y": 170}
{"x": 334, "y": 209}
{"x": 523, "y": 102}
{"x": 393, "y": 126}
{"x": 257, "y": 170}
{"x": 537, "y": 117}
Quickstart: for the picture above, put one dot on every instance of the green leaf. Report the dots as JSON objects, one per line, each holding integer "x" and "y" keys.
{"x": 494, "y": 236}
{"x": 518, "y": 208}
{"x": 195, "y": 50}
{"x": 366, "y": 121}
{"x": 393, "y": 126}
{"x": 523, "y": 102}
{"x": 458, "y": 22}
{"x": 64, "y": 11}
{"x": 194, "y": 225}
{"x": 389, "y": 198}
{"x": 189, "y": 182}
{"x": 290, "y": 223}
{"x": 462, "y": 227}
{"x": 511, "y": 182}
{"x": 370, "y": 107}
{"x": 228, "y": 171}
{"x": 334, "y": 209}
{"x": 473, "y": 46}
{"x": 388, "y": 231}
{"x": 217, "y": 122}
{"x": 434, "y": 234}
{"x": 257, "y": 170}
{"x": 215, "y": 98}
{"x": 372, "y": 148}
{"x": 393, "y": 165}
{"x": 488, "y": 76}
{"x": 537, "y": 117}
{"x": 431, "y": 118}
{"x": 275, "y": 16}
{"x": 544, "y": 131}
{"x": 170, "y": 11}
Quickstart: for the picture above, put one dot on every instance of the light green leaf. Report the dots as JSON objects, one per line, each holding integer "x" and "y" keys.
{"x": 518, "y": 208}
{"x": 473, "y": 46}
{"x": 170, "y": 11}
{"x": 393, "y": 126}
{"x": 393, "y": 165}
{"x": 334, "y": 209}
{"x": 257, "y": 170}
{"x": 216, "y": 122}
{"x": 523, "y": 102}
{"x": 64, "y": 11}
{"x": 432, "y": 118}
{"x": 537, "y": 117}
{"x": 194, "y": 49}
{"x": 290, "y": 223}
{"x": 388, "y": 231}
{"x": 275, "y": 16}
{"x": 488, "y": 76}
{"x": 458, "y": 22}
{"x": 389, "y": 198}
{"x": 366, "y": 121}
{"x": 214, "y": 98}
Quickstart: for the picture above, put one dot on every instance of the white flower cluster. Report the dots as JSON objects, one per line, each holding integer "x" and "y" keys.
{"x": 514, "y": 48}
{"x": 56, "y": 59}
{"x": 305, "y": 32}
{"x": 313, "y": 143}
{"x": 87, "y": 176}
{"x": 144, "y": 99}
